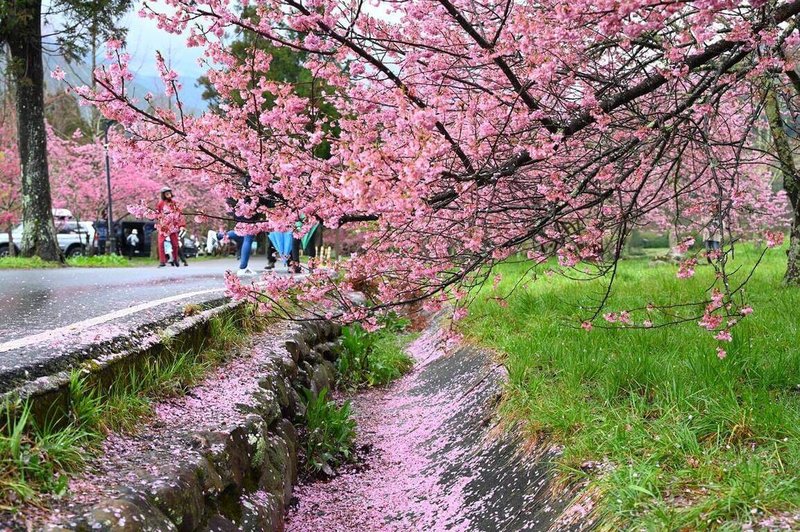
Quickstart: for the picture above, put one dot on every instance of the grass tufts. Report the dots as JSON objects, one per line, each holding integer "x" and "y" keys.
{"x": 329, "y": 433}
{"x": 373, "y": 358}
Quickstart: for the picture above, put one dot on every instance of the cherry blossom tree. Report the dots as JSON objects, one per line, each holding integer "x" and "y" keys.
{"x": 10, "y": 179}
{"x": 79, "y": 180}
{"x": 467, "y": 131}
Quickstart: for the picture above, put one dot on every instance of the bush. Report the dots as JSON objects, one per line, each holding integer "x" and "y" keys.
{"x": 352, "y": 365}
{"x": 387, "y": 360}
{"x": 373, "y": 358}
{"x": 330, "y": 433}
{"x": 648, "y": 240}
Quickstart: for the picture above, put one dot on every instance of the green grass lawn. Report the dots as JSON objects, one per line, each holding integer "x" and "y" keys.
{"x": 96, "y": 261}
{"x": 667, "y": 435}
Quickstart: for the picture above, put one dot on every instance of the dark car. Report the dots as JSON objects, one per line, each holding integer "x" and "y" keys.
{"x": 145, "y": 230}
{"x": 189, "y": 247}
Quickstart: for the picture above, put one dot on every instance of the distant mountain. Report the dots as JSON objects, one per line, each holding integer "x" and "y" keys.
{"x": 79, "y": 72}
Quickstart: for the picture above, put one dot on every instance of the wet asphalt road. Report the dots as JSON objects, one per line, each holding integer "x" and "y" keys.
{"x": 49, "y": 317}
{"x": 34, "y": 301}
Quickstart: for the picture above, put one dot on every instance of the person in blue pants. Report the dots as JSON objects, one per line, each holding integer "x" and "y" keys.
{"x": 245, "y": 244}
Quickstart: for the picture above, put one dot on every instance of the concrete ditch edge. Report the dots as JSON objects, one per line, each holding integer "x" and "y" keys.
{"x": 49, "y": 394}
{"x": 239, "y": 476}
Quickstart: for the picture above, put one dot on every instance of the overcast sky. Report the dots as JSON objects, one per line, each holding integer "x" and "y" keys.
{"x": 143, "y": 40}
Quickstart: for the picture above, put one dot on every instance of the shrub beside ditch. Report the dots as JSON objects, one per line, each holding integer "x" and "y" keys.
{"x": 373, "y": 358}
{"x": 330, "y": 433}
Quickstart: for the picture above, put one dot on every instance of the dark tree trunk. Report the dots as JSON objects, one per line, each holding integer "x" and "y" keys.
{"x": 24, "y": 40}
{"x": 791, "y": 184}
{"x": 791, "y": 181}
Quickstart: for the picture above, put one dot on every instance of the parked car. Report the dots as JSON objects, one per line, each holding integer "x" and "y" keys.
{"x": 74, "y": 237}
{"x": 189, "y": 246}
{"x": 122, "y": 228}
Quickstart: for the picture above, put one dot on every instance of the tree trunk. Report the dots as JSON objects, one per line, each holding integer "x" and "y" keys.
{"x": 791, "y": 181}
{"x": 25, "y": 43}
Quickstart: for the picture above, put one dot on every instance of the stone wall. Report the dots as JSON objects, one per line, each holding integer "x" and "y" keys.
{"x": 238, "y": 476}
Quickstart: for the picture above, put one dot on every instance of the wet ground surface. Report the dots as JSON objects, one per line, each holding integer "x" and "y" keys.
{"x": 34, "y": 301}
{"x": 437, "y": 459}
{"x": 46, "y": 315}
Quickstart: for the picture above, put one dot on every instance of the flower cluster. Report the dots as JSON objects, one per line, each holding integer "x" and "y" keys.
{"x": 463, "y": 134}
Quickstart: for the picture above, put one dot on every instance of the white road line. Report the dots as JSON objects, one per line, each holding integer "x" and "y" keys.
{"x": 85, "y": 324}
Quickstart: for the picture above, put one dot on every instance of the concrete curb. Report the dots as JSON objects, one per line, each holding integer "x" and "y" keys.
{"x": 239, "y": 476}
{"x": 49, "y": 395}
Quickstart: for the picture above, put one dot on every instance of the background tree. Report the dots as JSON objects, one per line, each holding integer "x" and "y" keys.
{"x": 785, "y": 154}
{"x": 10, "y": 186}
{"x": 21, "y": 32}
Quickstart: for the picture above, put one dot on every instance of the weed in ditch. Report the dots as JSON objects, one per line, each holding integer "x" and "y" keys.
{"x": 329, "y": 433}
{"x": 388, "y": 360}
{"x": 33, "y": 458}
{"x": 373, "y": 358}
{"x": 352, "y": 365}
{"x": 86, "y": 407}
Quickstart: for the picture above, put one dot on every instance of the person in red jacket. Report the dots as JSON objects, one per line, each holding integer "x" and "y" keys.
{"x": 169, "y": 221}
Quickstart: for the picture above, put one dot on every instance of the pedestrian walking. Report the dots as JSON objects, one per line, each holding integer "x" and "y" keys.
{"x": 133, "y": 243}
{"x": 169, "y": 222}
{"x": 245, "y": 246}
{"x": 244, "y": 242}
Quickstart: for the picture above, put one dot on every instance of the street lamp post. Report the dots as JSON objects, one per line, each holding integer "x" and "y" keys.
{"x": 111, "y": 234}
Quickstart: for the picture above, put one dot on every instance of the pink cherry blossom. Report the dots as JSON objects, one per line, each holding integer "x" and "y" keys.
{"x": 686, "y": 269}
{"x": 724, "y": 336}
{"x": 465, "y": 134}
{"x": 773, "y": 238}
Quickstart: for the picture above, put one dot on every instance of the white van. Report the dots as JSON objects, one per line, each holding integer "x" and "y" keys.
{"x": 74, "y": 237}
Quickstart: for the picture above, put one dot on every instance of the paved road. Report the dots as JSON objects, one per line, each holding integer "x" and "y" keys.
{"x": 46, "y": 313}
{"x": 34, "y": 301}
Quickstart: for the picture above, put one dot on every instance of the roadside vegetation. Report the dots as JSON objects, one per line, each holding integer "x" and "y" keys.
{"x": 366, "y": 359}
{"x": 376, "y": 358}
{"x": 329, "y": 433}
{"x": 666, "y": 434}
{"x": 103, "y": 261}
{"x": 95, "y": 261}
{"x": 38, "y": 457}
{"x": 26, "y": 263}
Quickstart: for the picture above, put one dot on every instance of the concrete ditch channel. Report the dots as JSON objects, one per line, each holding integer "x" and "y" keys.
{"x": 434, "y": 455}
